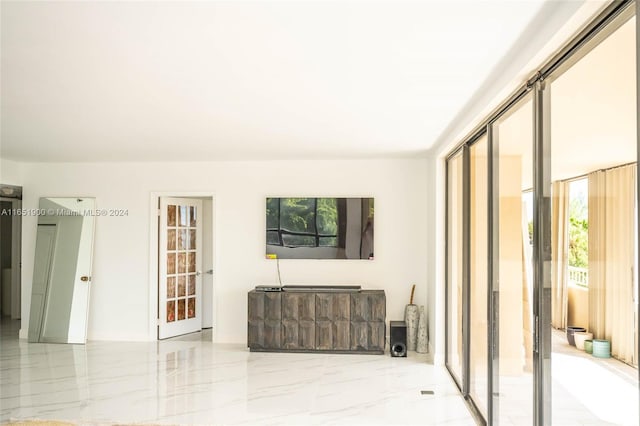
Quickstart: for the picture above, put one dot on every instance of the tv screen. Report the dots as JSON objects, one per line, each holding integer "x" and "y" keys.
{"x": 319, "y": 228}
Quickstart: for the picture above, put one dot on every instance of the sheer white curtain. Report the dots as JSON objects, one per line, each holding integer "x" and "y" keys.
{"x": 620, "y": 242}
{"x": 612, "y": 200}
{"x": 559, "y": 253}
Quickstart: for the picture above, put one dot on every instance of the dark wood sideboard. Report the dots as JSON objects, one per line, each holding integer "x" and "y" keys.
{"x": 317, "y": 321}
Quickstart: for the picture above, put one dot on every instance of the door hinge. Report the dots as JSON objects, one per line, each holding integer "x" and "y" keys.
{"x": 158, "y": 322}
{"x": 158, "y": 212}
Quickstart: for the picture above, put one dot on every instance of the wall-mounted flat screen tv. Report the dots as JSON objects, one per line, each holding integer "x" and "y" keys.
{"x": 319, "y": 228}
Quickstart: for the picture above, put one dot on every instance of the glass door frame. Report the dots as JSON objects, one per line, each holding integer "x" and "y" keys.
{"x": 468, "y": 259}
{"x": 541, "y": 255}
{"x": 493, "y": 288}
{"x": 638, "y": 160}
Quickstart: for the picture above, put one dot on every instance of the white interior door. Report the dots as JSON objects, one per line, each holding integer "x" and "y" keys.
{"x": 180, "y": 267}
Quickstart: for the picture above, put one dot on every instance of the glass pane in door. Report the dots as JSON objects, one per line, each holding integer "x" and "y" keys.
{"x": 454, "y": 267}
{"x": 593, "y": 134}
{"x": 478, "y": 287}
{"x": 513, "y": 303}
{"x": 186, "y": 259}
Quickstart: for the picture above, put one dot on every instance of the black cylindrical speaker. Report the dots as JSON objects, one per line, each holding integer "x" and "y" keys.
{"x": 398, "y": 338}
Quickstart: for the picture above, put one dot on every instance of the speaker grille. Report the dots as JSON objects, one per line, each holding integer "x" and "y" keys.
{"x": 398, "y": 339}
{"x": 399, "y": 349}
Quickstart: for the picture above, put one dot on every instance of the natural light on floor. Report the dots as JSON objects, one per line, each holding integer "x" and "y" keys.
{"x": 606, "y": 389}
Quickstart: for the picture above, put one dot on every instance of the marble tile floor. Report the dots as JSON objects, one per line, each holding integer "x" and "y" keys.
{"x": 585, "y": 390}
{"x": 599, "y": 391}
{"x": 192, "y": 381}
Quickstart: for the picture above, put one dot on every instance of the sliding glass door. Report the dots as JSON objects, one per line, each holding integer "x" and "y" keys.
{"x": 592, "y": 136}
{"x": 532, "y": 255}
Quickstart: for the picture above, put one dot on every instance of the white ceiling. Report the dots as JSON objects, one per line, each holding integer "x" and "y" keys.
{"x": 593, "y": 113}
{"x": 241, "y": 80}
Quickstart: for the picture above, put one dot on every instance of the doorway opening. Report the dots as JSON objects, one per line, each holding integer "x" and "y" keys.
{"x": 10, "y": 257}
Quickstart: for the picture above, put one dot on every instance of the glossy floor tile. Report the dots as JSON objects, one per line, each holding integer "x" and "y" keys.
{"x": 585, "y": 390}
{"x": 190, "y": 380}
{"x": 591, "y": 391}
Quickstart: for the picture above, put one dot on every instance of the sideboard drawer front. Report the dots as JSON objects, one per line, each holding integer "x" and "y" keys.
{"x": 333, "y": 321}
{"x": 256, "y": 306}
{"x": 359, "y": 336}
{"x": 264, "y": 321}
{"x": 360, "y": 308}
{"x": 376, "y": 335}
{"x": 377, "y": 306}
{"x": 273, "y": 307}
{"x": 307, "y": 335}
{"x": 341, "y": 335}
{"x": 256, "y": 334}
{"x": 333, "y": 335}
{"x": 324, "y": 335}
{"x": 324, "y": 307}
{"x": 272, "y": 334}
{"x": 299, "y": 321}
{"x": 290, "y": 335}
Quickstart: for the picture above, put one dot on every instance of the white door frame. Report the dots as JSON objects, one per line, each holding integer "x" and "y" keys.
{"x": 153, "y": 256}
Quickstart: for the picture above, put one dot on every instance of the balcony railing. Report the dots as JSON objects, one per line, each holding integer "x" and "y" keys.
{"x": 579, "y": 276}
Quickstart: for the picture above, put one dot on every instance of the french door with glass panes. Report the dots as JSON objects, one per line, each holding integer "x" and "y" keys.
{"x": 179, "y": 274}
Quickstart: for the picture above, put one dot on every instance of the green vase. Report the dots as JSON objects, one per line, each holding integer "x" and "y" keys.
{"x": 588, "y": 346}
{"x": 601, "y": 348}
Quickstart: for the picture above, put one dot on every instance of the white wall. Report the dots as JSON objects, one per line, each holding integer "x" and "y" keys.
{"x": 435, "y": 259}
{"x": 10, "y": 172}
{"x": 120, "y": 305}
